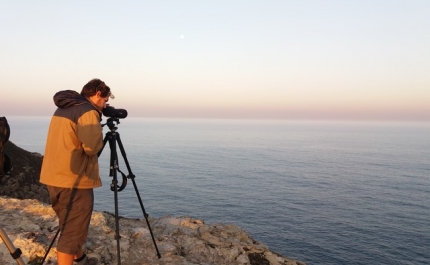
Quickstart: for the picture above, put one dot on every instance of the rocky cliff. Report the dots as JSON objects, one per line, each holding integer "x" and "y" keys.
{"x": 23, "y": 181}
{"x": 31, "y": 225}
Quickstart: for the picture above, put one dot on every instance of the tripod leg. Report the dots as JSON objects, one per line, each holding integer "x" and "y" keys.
{"x": 107, "y": 136}
{"x": 146, "y": 217}
{"x": 114, "y": 187}
{"x": 50, "y": 246}
{"x": 14, "y": 252}
{"x": 131, "y": 175}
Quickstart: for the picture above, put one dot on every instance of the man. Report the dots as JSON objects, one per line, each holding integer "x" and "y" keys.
{"x": 70, "y": 165}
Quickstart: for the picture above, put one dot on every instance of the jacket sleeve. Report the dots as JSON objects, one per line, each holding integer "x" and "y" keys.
{"x": 89, "y": 132}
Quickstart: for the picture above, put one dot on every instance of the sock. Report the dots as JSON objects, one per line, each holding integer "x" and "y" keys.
{"x": 81, "y": 260}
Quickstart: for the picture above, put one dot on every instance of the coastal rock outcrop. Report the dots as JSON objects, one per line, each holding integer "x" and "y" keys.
{"x": 31, "y": 224}
{"x": 23, "y": 180}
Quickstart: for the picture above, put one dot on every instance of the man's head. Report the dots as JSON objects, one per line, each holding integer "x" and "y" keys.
{"x": 97, "y": 92}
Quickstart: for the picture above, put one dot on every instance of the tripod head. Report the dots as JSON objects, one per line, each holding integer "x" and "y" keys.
{"x": 111, "y": 123}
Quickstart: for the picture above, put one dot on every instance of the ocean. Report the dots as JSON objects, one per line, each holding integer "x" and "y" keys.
{"x": 323, "y": 192}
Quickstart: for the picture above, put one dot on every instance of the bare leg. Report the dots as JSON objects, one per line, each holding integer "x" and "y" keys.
{"x": 66, "y": 258}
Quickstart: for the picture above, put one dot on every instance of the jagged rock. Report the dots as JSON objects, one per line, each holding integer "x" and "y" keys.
{"x": 31, "y": 224}
{"x": 23, "y": 180}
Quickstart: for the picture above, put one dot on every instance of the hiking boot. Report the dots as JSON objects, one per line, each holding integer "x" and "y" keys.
{"x": 85, "y": 260}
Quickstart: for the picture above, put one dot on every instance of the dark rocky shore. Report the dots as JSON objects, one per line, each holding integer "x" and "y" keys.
{"x": 31, "y": 225}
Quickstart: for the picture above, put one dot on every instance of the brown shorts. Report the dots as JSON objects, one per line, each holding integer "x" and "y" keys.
{"x": 73, "y": 208}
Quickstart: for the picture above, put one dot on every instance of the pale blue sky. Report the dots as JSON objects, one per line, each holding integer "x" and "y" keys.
{"x": 221, "y": 59}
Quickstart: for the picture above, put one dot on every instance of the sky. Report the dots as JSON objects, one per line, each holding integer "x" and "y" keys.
{"x": 308, "y": 59}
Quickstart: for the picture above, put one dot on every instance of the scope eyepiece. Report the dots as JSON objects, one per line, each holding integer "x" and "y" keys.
{"x": 111, "y": 112}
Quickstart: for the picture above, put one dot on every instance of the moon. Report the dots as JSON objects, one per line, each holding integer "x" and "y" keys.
{"x": 182, "y": 36}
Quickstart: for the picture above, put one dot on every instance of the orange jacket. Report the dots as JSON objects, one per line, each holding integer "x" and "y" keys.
{"x": 73, "y": 142}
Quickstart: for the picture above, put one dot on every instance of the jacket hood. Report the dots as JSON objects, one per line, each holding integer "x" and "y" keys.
{"x": 68, "y": 98}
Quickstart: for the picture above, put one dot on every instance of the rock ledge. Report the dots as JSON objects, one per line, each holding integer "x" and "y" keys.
{"x": 31, "y": 226}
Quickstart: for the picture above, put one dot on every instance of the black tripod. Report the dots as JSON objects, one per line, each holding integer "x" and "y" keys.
{"x": 113, "y": 138}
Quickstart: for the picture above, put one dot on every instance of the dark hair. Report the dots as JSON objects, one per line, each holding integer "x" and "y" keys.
{"x": 95, "y": 85}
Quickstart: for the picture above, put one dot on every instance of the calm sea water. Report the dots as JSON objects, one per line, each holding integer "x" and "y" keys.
{"x": 320, "y": 192}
